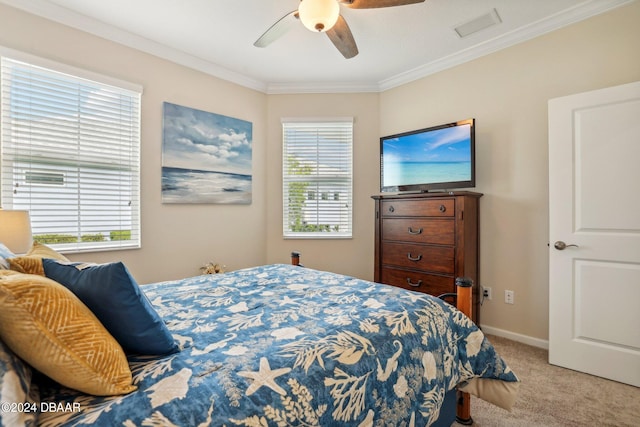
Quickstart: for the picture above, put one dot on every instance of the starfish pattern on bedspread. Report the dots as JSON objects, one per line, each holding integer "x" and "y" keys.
{"x": 265, "y": 377}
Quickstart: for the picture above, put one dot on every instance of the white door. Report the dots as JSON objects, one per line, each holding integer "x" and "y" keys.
{"x": 594, "y": 204}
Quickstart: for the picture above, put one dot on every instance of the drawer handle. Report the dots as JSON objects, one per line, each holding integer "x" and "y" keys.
{"x": 443, "y": 208}
{"x": 412, "y": 258}
{"x": 411, "y": 231}
{"x": 415, "y": 285}
{"x": 392, "y": 209}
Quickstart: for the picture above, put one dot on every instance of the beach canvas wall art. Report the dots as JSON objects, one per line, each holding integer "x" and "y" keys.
{"x": 206, "y": 157}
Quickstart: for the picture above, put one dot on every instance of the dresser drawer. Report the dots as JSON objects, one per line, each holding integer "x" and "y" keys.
{"x": 438, "y": 259}
{"x": 419, "y": 230}
{"x": 416, "y": 281}
{"x": 437, "y": 208}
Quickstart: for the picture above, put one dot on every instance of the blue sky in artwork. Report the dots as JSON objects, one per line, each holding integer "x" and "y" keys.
{"x": 443, "y": 145}
{"x": 196, "y": 139}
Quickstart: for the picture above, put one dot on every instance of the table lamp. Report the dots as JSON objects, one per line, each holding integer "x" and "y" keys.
{"x": 15, "y": 231}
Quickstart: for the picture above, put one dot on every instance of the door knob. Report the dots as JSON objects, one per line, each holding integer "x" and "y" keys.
{"x": 561, "y": 246}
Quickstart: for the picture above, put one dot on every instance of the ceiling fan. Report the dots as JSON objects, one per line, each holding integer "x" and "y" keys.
{"x": 324, "y": 16}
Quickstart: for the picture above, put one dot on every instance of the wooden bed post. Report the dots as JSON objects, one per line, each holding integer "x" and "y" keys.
{"x": 295, "y": 258}
{"x": 464, "y": 303}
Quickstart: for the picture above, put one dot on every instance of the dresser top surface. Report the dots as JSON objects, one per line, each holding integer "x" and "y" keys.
{"x": 392, "y": 196}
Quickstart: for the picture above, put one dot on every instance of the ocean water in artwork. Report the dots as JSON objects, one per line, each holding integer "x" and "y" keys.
{"x": 196, "y": 186}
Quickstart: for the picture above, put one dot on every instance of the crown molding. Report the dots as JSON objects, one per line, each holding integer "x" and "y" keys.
{"x": 67, "y": 17}
{"x": 322, "y": 87}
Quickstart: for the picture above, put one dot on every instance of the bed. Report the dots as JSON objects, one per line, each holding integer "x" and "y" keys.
{"x": 278, "y": 345}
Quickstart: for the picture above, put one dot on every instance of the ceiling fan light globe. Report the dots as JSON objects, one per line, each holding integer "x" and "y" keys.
{"x": 319, "y": 15}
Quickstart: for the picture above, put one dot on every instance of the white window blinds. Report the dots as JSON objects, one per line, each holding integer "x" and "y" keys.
{"x": 317, "y": 178}
{"x": 70, "y": 151}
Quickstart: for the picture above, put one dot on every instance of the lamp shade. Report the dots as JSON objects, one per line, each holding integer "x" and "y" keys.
{"x": 319, "y": 15}
{"x": 15, "y": 231}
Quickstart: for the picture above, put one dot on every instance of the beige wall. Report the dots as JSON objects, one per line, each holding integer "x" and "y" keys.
{"x": 346, "y": 256}
{"x": 506, "y": 92}
{"x": 176, "y": 239}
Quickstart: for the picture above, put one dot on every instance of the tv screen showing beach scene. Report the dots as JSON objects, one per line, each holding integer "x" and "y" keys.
{"x": 435, "y": 158}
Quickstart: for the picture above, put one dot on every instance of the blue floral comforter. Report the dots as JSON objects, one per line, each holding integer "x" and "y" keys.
{"x": 281, "y": 345}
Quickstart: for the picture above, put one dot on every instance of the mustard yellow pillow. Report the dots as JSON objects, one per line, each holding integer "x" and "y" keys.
{"x": 31, "y": 262}
{"x": 43, "y": 251}
{"x": 27, "y": 264}
{"x": 48, "y": 327}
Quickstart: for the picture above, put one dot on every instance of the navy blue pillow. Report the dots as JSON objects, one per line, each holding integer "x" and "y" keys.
{"x": 112, "y": 294}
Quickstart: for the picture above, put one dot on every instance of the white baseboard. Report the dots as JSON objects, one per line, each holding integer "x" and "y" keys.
{"x": 525, "y": 339}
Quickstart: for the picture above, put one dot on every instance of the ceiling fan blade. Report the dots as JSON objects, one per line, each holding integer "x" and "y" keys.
{"x": 341, "y": 37}
{"x": 371, "y": 4}
{"x": 278, "y": 29}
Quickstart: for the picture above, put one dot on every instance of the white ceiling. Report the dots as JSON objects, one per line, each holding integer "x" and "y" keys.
{"x": 396, "y": 45}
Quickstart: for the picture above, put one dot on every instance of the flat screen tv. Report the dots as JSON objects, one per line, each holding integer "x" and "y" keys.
{"x": 436, "y": 158}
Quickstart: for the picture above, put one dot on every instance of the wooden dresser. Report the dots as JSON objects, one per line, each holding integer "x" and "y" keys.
{"x": 424, "y": 241}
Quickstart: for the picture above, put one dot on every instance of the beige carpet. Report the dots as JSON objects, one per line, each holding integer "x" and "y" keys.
{"x": 553, "y": 396}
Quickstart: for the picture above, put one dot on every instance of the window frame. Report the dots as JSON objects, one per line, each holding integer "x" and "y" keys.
{"x": 328, "y": 182}
{"x": 88, "y": 165}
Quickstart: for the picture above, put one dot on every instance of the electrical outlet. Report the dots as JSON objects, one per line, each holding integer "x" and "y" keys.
{"x": 509, "y": 296}
{"x": 486, "y": 292}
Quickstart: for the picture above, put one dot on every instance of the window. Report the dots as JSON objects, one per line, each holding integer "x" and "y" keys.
{"x": 70, "y": 153}
{"x": 317, "y": 178}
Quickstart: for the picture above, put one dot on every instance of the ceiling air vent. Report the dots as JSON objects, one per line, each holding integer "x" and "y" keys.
{"x": 480, "y": 23}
